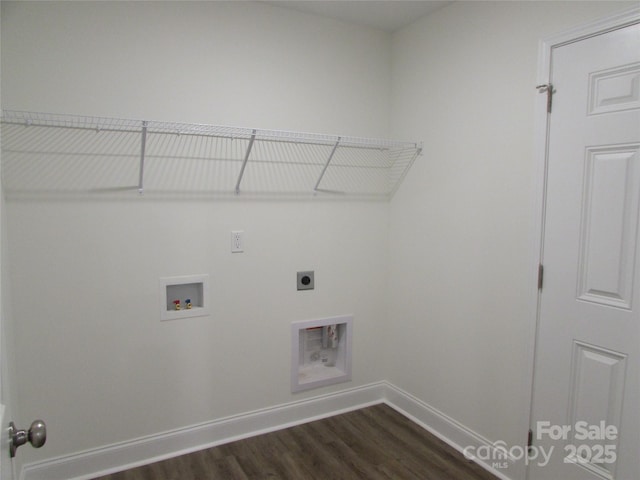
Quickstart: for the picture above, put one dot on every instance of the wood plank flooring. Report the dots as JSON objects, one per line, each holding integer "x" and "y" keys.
{"x": 374, "y": 443}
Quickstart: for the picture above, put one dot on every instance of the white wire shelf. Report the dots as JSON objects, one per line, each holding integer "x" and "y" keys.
{"x": 59, "y": 153}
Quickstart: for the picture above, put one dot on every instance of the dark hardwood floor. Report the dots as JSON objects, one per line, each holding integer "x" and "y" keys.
{"x": 373, "y": 443}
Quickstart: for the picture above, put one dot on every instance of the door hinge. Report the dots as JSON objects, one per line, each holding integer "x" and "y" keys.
{"x": 540, "y": 276}
{"x": 530, "y": 442}
{"x": 549, "y": 90}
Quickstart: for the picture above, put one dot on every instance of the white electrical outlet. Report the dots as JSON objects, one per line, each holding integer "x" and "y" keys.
{"x": 237, "y": 242}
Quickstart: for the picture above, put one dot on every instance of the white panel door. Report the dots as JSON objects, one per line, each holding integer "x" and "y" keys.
{"x": 586, "y": 401}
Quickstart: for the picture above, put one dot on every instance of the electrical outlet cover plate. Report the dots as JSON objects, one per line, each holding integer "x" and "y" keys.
{"x": 305, "y": 280}
{"x": 237, "y": 241}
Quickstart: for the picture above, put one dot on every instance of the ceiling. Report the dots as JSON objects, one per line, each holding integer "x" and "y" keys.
{"x": 387, "y": 15}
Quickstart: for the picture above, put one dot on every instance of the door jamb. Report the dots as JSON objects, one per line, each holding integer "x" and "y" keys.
{"x": 541, "y": 131}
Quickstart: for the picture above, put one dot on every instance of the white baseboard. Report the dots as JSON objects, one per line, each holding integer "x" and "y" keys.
{"x": 121, "y": 456}
{"x": 453, "y": 433}
{"x": 102, "y": 461}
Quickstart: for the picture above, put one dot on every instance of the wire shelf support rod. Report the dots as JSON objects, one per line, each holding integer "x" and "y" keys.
{"x": 326, "y": 165}
{"x": 246, "y": 159}
{"x": 143, "y": 146}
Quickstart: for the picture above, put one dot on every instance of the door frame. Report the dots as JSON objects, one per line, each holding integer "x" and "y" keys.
{"x": 541, "y": 133}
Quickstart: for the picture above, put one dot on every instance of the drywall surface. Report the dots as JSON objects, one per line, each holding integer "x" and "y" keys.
{"x": 223, "y": 63}
{"x": 99, "y": 366}
{"x": 462, "y": 223}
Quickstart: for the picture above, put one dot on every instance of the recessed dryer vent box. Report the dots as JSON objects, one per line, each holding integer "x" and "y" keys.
{"x": 183, "y": 297}
{"x": 321, "y": 352}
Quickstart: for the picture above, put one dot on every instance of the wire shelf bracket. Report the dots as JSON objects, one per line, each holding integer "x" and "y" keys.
{"x": 326, "y": 165}
{"x": 143, "y": 145}
{"x": 244, "y": 162}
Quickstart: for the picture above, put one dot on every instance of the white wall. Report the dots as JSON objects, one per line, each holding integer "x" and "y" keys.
{"x": 461, "y": 239}
{"x": 222, "y": 63}
{"x": 85, "y": 272}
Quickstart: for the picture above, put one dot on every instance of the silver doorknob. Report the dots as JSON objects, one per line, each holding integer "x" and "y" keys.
{"x": 37, "y": 436}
